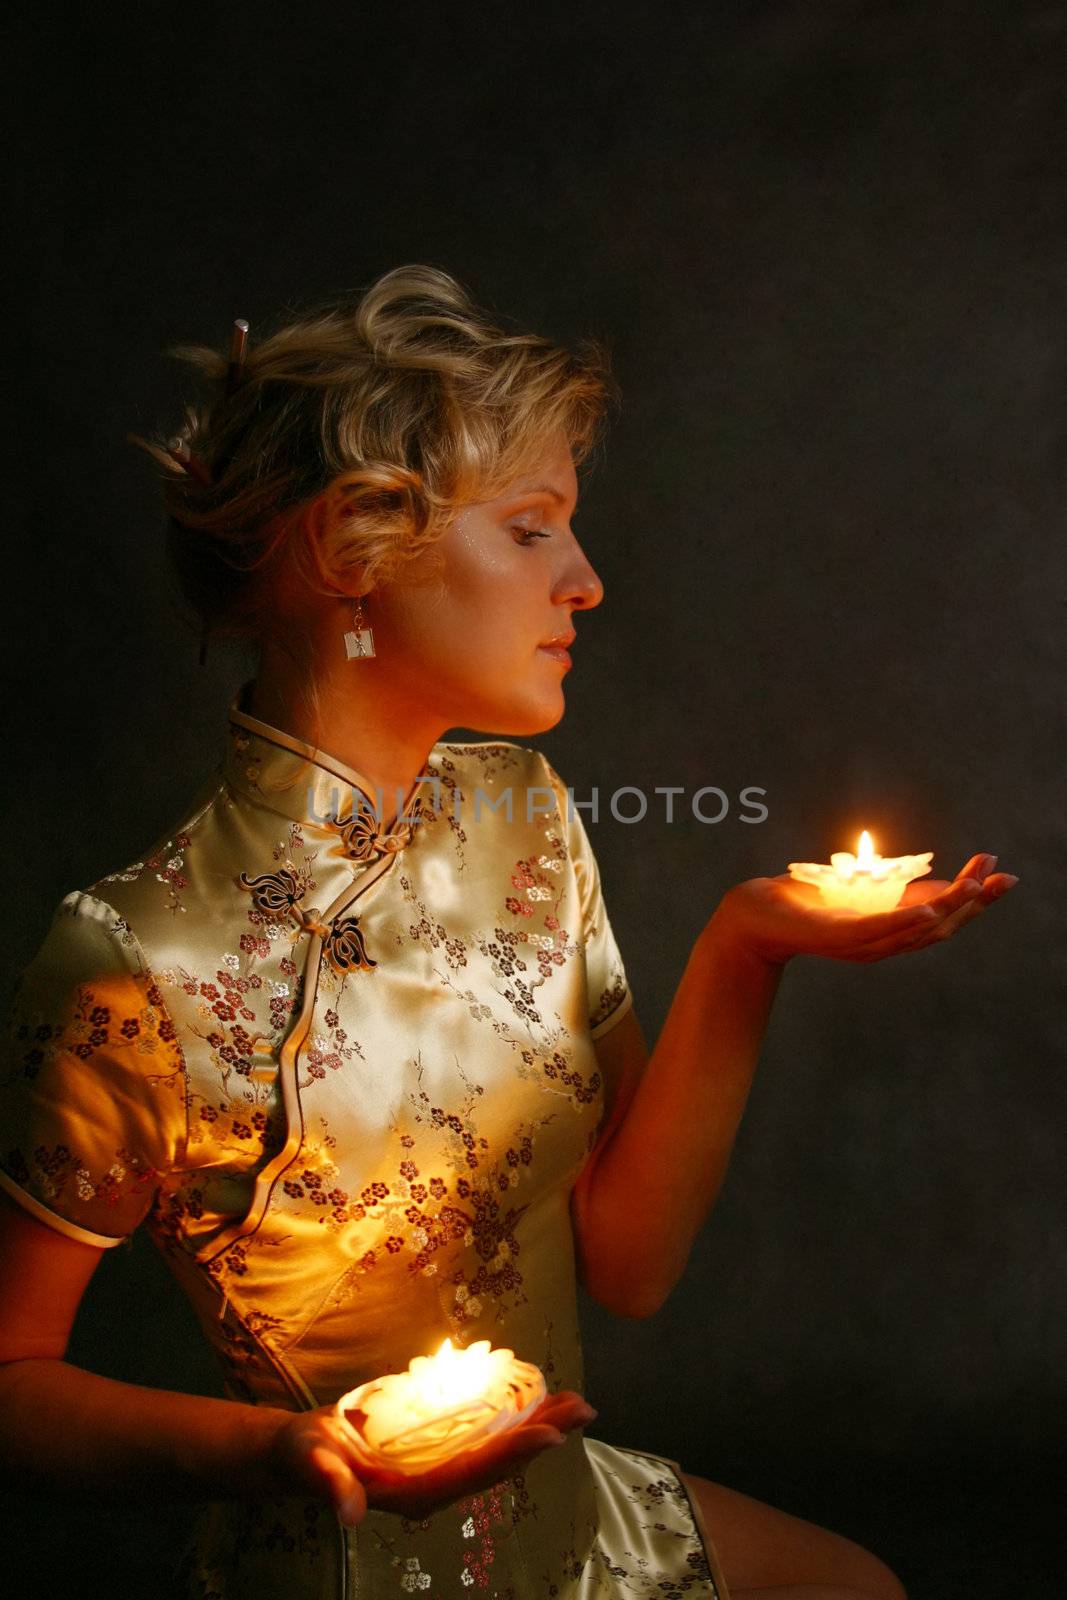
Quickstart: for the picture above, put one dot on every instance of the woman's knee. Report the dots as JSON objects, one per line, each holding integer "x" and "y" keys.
{"x": 762, "y": 1548}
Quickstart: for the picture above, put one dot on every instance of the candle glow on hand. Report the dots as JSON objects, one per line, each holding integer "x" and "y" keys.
{"x": 865, "y": 882}
{"x": 442, "y": 1404}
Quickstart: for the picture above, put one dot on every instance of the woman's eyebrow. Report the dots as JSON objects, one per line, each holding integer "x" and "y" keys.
{"x": 545, "y": 488}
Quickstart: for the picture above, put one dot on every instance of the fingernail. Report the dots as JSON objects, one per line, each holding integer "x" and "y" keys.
{"x": 1010, "y": 880}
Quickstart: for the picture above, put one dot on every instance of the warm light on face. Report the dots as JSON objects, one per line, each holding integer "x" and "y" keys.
{"x": 460, "y": 630}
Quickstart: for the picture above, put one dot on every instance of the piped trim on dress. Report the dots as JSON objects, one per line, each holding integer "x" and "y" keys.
{"x": 72, "y": 1230}
{"x": 288, "y": 1061}
{"x": 340, "y": 941}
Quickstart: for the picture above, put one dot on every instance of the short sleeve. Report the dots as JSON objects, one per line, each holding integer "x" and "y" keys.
{"x": 92, "y": 1101}
{"x": 608, "y": 991}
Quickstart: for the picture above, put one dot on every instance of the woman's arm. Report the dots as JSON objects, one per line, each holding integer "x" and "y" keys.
{"x": 68, "y": 1431}
{"x": 663, "y": 1153}
{"x": 665, "y": 1147}
{"x": 73, "y": 1433}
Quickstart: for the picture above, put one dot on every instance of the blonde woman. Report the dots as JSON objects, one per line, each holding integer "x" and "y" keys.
{"x": 374, "y": 1080}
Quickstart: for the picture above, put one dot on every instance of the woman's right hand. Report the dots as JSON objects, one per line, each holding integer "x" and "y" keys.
{"x": 315, "y": 1450}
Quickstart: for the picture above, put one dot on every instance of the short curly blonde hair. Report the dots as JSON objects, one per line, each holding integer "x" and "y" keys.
{"x": 355, "y": 433}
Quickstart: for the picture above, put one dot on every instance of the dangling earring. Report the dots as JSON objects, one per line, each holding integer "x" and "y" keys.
{"x": 359, "y": 640}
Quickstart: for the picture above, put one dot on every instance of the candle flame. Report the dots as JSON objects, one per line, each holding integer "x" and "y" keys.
{"x": 450, "y": 1375}
{"x": 865, "y": 852}
{"x": 441, "y": 1405}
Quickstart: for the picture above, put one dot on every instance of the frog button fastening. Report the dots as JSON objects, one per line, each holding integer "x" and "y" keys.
{"x": 346, "y": 948}
{"x": 363, "y": 840}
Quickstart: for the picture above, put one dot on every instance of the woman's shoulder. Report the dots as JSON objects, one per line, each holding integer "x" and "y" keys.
{"x": 159, "y": 879}
{"x": 84, "y": 936}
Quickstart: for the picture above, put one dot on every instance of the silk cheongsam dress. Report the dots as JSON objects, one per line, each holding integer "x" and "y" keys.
{"x": 343, "y": 1069}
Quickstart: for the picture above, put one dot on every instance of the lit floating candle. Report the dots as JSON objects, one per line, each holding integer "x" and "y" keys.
{"x": 865, "y": 881}
{"x": 445, "y": 1403}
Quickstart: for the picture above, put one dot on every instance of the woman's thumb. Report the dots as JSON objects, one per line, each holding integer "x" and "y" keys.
{"x": 353, "y": 1506}
{"x": 346, "y": 1493}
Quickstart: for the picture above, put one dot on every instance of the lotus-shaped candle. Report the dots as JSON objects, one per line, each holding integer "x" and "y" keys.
{"x": 863, "y": 882}
{"x": 444, "y": 1403}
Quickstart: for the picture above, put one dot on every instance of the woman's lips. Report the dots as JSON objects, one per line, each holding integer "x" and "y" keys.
{"x": 558, "y": 652}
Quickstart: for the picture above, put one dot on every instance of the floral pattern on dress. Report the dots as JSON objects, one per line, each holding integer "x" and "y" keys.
{"x": 167, "y": 863}
{"x": 650, "y": 1486}
{"x": 105, "y": 1030}
{"x": 240, "y": 1017}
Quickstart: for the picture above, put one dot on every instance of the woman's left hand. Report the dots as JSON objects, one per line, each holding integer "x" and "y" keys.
{"x": 777, "y": 918}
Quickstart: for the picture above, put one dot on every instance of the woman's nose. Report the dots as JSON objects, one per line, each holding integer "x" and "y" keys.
{"x": 580, "y": 585}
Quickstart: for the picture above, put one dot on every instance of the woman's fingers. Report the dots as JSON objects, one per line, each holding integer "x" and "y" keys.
{"x": 497, "y": 1457}
{"x": 940, "y": 925}
{"x": 981, "y": 888}
{"x": 998, "y": 883}
{"x": 991, "y": 888}
{"x": 949, "y": 913}
{"x": 528, "y": 1440}
{"x": 565, "y": 1410}
{"x": 958, "y": 893}
{"x": 936, "y": 892}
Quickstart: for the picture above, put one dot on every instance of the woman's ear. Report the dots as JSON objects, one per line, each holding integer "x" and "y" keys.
{"x": 350, "y": 584}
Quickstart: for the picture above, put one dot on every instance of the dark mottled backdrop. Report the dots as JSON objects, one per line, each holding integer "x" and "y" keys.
{"x": 827, "y": 244}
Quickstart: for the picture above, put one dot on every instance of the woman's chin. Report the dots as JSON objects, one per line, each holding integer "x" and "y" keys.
{"x": 520, "y": 721}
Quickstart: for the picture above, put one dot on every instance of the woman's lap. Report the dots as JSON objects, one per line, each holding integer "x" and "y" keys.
{"x": 762, "y": 1548}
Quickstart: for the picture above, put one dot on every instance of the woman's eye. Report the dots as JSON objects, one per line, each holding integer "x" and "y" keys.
{"x": 528, "y": 533}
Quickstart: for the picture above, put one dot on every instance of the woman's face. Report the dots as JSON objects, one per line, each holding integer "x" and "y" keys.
{"x": 461, "y": 634}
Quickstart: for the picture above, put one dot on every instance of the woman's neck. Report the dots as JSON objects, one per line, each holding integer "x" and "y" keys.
{"x": 360, "y": 721}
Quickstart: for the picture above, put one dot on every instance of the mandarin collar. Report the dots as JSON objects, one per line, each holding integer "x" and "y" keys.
{"x": 308, "y": 785}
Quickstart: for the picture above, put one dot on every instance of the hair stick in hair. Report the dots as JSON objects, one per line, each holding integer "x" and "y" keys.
{"x": 238, "y": 345}
{"x": 190, "y": 464}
